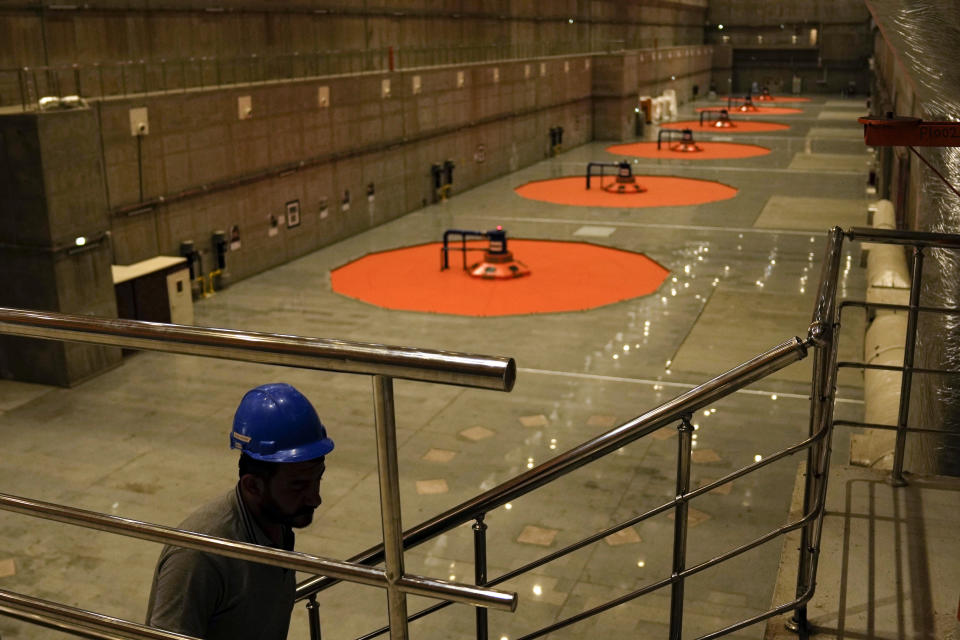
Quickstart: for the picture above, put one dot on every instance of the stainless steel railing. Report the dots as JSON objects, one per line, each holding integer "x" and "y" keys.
{"x": 679, "y": 410}
{"x": 822, "y": 338}
{"x": 827, "y": 317}
{"x": 918, "y": 242}
{"x": 382, "y": 362}
{"x": 78, "y": 622}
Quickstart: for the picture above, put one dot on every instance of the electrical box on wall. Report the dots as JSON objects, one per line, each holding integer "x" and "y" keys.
{"x": 323, "y": 97}
{"x": 244, "y": 107}
{"x": 139, "y": 123}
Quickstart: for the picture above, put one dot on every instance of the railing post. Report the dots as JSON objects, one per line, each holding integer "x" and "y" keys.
{"x": 390, "y": 503}
{"x": 906, "y": 379}
{"x": 480, "y": 570}
{"x": 798, "y": 622}
{"x": 313, "y": 615}
{"x": 684, "y": 445}
{"x": 823, "y": 334}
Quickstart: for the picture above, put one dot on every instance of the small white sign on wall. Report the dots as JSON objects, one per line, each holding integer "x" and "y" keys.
{"x": 139, "y": 122}
{"x": 496, "y": 74}
{"x": 566, "y": 66}
{"x": 543, "y": 69}
{"x": 461, "y": 80}
{"x": 323, "y": 97}
{"x": 385, "y": 88}
{"x": 244, "y": 107}
{"x": 415, "y": 85}
{"x": 526, "y": 71}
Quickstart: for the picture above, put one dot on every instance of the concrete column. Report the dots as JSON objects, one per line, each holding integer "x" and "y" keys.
{"x": 55, "y": 252}
{"x": 613, "y": 101}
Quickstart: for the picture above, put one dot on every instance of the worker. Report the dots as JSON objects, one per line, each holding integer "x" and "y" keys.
{"x": 282, "y": 447}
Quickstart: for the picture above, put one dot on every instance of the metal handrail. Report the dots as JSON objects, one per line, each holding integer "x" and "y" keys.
{"x": 381, "y": 362}
{"x": 666, "y": 506}
{"x": 931, "y": 239}
{"x": 424, "y": 365}
{"x": 826, "y": 319}
{"x": 78, "y": 622}
{"x": 665, "y": 414}
{"x": 298, "y": 561}
{"x": 823, "y": 336}
{"x": 827, "y": 288}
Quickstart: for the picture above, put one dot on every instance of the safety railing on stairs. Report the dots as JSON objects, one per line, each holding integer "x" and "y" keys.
{"x": 383, "y": 363}
{"x": 827, "y": 318}
{"x": 679, "y": 410}
{"x": 919, "y": 242}
{"x": 822, "y": 338}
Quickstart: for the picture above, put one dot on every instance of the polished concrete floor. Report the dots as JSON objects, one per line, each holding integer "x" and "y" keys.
{"x": 149, "y": 440}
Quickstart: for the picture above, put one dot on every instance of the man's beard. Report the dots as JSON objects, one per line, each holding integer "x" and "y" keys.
{"x": 297, "y": 520}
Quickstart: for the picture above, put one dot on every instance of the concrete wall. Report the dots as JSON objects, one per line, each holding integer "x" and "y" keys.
{"x": 120, "y": 46}
{"x": 111, "y": 30}
{"x": 823, "y": 42}
{"x": 206, "y": 169}
{"x": 908, "y": 82}
{"x": 619, "y": 79}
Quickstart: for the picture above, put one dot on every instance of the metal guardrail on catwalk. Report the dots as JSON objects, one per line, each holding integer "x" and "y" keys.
{"x": 498, "y": 373}
{"x": 823, "y": 339}
{"x": 383, "y": 363}
{"x": 25, "y": 86}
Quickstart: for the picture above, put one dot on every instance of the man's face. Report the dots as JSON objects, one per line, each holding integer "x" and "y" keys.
{"x": 293, "y": 493}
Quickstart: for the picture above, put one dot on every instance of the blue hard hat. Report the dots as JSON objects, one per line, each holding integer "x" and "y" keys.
{"x": 276, "y": 423}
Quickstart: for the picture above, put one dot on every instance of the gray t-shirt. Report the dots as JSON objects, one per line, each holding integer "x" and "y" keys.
{"x": 219, "y": 598}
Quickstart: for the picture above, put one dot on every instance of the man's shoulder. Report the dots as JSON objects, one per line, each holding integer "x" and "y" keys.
{"x": 220, "y": 517}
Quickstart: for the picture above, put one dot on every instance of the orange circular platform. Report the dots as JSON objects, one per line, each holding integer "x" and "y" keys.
{"x": 759, "y": 111}
{"x": 565, "y": 276}
{"x": 774, "y": 99}
{"x": 711, "y": 151}
{"x": 740, "y": 126}
{"x": 662, "y": 191}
